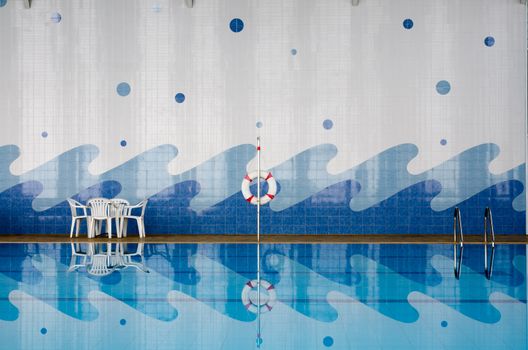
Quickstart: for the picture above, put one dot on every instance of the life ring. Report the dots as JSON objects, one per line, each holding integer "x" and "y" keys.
{"x": 267, "y": 299}
{"x": 264, "y": 199}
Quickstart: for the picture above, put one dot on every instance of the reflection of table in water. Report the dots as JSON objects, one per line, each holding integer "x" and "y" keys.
{"x": 101, "y": 259}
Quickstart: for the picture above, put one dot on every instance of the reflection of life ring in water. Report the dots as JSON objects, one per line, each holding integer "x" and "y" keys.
{"x": 264, "y": 199}
{"x": 268, "y": 296}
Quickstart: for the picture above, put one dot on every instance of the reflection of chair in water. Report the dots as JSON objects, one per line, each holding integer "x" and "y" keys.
{"x": 100, "y": 265}
{"x": 77, "y": 253}
{"x": 128, "y": 257}
{"x": 101, "y": 259}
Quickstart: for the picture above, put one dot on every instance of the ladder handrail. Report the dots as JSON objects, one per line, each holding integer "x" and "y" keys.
{"x": 488, "y": 219}
{"x": 457, "y": 227}
{"x": 458, "y": 237}
{"x": 488, "y": 222}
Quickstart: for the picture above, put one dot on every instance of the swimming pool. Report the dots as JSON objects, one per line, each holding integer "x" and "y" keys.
{"x": 318, "y": 296}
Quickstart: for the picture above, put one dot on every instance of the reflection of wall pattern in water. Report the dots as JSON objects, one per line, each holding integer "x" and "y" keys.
{"x": 345, "y": 287}
{"x": 379, "y": 119}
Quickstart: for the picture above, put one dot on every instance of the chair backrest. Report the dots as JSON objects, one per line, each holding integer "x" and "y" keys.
{"x": 99, "y": 207}
{"x": 143, "y": 205}
{"x": 74, "y": 205}
{"x": 140, "y": 206}
{"x": 117, "y": 206}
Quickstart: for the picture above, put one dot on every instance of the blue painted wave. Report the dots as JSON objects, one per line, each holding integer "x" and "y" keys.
{"x": 140, "y": 177}
{"x": 386, "y": 174}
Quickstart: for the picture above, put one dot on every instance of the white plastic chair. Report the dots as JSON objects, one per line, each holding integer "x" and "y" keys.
{"x": 99, "y": 212}
{"x": 76, "y": 217}
{"x": 116, "y": 210}
{"x": 140, "y": 219}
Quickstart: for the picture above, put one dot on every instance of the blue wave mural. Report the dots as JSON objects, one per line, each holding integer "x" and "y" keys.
{"x": 386, "y": 174}
{"x": 310, "y": 200}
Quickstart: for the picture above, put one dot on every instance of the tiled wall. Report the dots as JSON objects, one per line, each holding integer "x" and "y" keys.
{"x": 377, "y": 118}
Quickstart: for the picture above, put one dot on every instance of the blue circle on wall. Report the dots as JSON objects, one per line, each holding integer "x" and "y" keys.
{"x": 443, "y": 87}
{"x": 43, "y": 331}
{"x": 56, "y": 17}
{"x": 44, "y": 134}
{"x": 328, "y": 124}
{"x": 489, "y": 41}
{"x": 123, "y": 89}
{"x": 259, "y": 125}
{"x": 443, "y": 324}
{"x": 408, "y": 23}
{"x": 122, "y": 322}
{"x": 236, "y": 25}
{"x": 328, "y": 341}
{"x": 179, "y": 97}
{"x": 123, "y": 143}
{"x": 294, "y": 52}
{"x": 3, "y": 3}
{"x": 443, "y": 142}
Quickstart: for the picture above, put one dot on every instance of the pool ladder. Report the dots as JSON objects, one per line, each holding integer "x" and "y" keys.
{"x": 458, "y": 242}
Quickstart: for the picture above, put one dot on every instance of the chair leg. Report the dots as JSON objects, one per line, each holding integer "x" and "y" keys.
{"x": 125, "y": 226}
{"x": 109, "y": 227}
{"x": 78, "y": 229}
{"x": 119, "y": 231}
{"x": 141, "y": 227}
{"x": 72, "y": 226}
{"x": 92, "y": 228}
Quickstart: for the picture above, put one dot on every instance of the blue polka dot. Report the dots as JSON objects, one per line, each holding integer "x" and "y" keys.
{"x": 44, "y": 134}
{"x": 43, "y": 331}
{"x": 56, "y": 17}
{"x": 123, "y": 143}
{"x": 443, "y": 324}
{"x": 236, "y": 25}
{"x": 489, "y": 41}
{"x": 294, "y": 52}
{"x": 3, "y": 3}
{"x": 122, "y": 322}
{"x": 123, "y": 89}
{"x": 259, "y": 125}
{"x": 328, "y": 341}
{"x": 179, "y": 97}
{"x": 328, "y": 124}
{"x": 408, "y": 23}
{"x": 443, "y": 142}
{"x": 443, "y": 87}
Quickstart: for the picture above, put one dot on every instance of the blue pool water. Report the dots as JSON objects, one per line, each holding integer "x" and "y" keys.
{"x": 312, "y": 297}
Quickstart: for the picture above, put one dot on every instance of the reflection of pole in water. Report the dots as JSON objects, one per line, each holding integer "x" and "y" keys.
{"x": 259, "y": 340}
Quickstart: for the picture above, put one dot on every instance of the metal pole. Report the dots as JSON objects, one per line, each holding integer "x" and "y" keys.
{"x": 258, "y": 242}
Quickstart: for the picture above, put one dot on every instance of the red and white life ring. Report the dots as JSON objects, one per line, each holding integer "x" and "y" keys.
{"x": 268, "y": 296}
{"x": 264, "y": 199}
